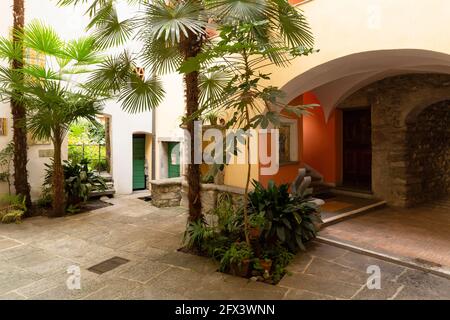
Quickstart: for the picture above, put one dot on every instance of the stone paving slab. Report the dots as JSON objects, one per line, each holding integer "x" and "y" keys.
{"x": 35, "y": 255}
{"x": 419, "y": 234}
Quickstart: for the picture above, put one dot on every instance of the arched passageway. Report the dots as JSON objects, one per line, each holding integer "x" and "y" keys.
{"x": 428, "y": 153}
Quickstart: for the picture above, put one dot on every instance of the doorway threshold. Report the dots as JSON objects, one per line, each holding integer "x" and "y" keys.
{"x": 353, "y": 192}
{"x": 331, "y": 219}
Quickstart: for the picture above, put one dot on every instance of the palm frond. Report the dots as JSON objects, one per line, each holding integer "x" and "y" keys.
{"x": 141, "y": 95}
{"x": 10, "y": 50}
{"x": 109, "y": 30}
{"x": 111, "y": 74}
{"x": 174, "y": 20}
{"x": 230, "y": 11}
{"x": 42, "y": 39}
{"x": 160, "y": 56}
{"x": 83, "y": 51}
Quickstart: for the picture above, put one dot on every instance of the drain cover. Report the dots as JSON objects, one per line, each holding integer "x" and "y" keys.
{"x": 108, "y": 265}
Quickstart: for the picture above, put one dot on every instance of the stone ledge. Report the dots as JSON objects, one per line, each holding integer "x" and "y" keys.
{"x": 167, "y": 182}
{"x": 219, "y": 188}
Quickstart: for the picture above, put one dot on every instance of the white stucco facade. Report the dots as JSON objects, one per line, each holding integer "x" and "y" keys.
{"x": 70, "y": 23}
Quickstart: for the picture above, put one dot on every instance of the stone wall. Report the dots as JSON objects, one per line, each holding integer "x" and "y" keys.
{"x": 428, "y": 143}
{"x": 396, "y": 104}
{"x": 173, "y": 193}
{"x": 166, "y": 193}
{"x": 211, "y": 193}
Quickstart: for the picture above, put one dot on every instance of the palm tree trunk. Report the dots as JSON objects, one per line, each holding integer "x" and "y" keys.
{"x": 59, "y": 202}
{"x": 19, "y": 118}
{"x": 191, "y": 48}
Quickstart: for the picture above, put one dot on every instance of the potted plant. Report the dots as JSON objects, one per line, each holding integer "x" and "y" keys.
{"x": 257, "y": 223}
{"x": 266, "y": 264}
{"x": 236, "y": 260}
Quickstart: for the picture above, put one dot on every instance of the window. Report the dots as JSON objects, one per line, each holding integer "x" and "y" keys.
{"x": 288, "y": 141}
{"x": 3, "y": 127}
{"x": 285, "y": 143}
{"x": 34, "y": 58}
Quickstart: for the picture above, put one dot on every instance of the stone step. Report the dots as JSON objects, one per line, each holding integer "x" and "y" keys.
{"x": 106, "y": 193}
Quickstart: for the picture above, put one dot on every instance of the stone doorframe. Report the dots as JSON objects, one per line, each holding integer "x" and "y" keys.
{"x": 396, "y": 102}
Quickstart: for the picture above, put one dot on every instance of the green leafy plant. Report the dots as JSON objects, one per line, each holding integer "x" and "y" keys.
{"x": 14, "y": 210}
{"x": 6, "y": 161}
{"x": 229, "y": 218}
{"x": 197, "y": 234}
{"x": 238, "y": 255}
{"x": 45, "y": 200}
{"x": 80, "y": 181}
{"x": 72, "y": 209}
{"x": 291, "y": 220}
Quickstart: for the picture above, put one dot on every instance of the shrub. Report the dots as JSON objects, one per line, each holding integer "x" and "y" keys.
{"x": 290, "y": 220}
{"x": 282, "y": 222}
{"x": 80, "y": 181}
{"x": 235, "y": 255}
{"x": 14, "y": 210}
{"x": 197, "y": 234}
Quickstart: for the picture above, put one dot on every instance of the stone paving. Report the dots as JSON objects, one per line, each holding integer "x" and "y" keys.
{"x": 35, "y": 255}
{"x": 420, "y": 234}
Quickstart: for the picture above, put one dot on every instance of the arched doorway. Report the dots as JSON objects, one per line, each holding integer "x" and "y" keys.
{"x": 428, "y": 151}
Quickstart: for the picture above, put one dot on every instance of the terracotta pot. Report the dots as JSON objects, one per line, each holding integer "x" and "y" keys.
{"x": 254, "y": 233}
{"x": 241, "y": 270}
{"x": 266, "y": 265}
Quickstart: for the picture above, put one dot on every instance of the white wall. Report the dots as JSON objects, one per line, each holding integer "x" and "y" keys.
{"x": 123, "y": 126}
{"x": 168, "y": 120}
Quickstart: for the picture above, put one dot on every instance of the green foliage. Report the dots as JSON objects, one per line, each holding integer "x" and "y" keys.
{"x": 229, "y": 218}
{"x": 197, "y": 234}
{"x": 257, "y": 220}
{"x": 290, "y": 220}
{"x": 236, "y": 254}
{"x": 6, "y": 159}
{"x": 80, "y": 181}
{"x": 14, "y": 210}
{"x": 86, "y": 141}
{"x": 87, "y": 132}
{"x": 286, "y": 222}
{"x": 45, "y": 201}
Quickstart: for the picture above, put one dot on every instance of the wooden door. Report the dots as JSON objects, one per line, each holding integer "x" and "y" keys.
{"x": 139, "y": 179}
{"x": 174, "y": 160}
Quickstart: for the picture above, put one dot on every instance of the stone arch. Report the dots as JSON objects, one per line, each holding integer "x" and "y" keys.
{"x": 335, "y": 80}
{"x": 397, "y": 103}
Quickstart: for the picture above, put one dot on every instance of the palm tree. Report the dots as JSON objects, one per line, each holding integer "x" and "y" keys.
{"x": 19, "y": 117}
{"x": 173, "y": 33}
{"x": 53, "y": 92}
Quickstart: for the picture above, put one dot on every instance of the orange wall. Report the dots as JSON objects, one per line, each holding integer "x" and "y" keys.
{"x": 295, "y": 1}
{"x": 322, "y": 141}
{"x": 319, "y": 145}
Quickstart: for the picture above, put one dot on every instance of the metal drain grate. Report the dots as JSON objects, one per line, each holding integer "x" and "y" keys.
{"x": 108, "y": 265}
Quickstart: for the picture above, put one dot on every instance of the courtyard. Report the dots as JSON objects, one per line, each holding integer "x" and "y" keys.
{"x": 35, "y": 257}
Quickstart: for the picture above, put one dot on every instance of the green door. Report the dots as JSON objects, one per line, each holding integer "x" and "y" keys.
{"x": 174, "y": 160}
{"x": 139, "y": 182}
